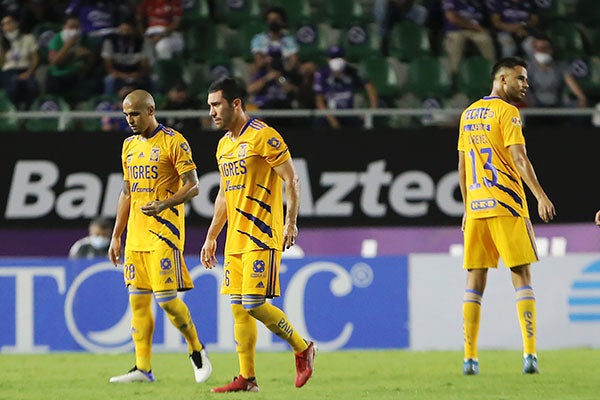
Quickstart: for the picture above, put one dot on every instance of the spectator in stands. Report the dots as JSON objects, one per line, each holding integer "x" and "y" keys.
{"x": 96, "y": 243}
{"x": 179, "y": 98}
{"x": 99, "y": 18}
{"x": 19, "y": 60}
{"x": 160, "y": 20}
{"x": 515, "y": 22}
{"x": 270, "y": 86}
{"x": 548, "y": 79}
{"x": 337, "y": 84}
{"x": 276, "y": 39}
{"x": 388, "y": 12}
{"x": 126, "y": 59}
{"x": 71, "y": 58}
{"x": 465, "y": 20}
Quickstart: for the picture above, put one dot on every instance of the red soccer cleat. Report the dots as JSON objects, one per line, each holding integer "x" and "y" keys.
{"x": 239, "y": 384}
{"x": 304, "y": 364}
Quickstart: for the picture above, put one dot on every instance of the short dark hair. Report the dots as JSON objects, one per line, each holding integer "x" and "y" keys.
{"x": 277, "y": 10}
{"x": 232, "y": 88}
{"x": 508, "y": 62}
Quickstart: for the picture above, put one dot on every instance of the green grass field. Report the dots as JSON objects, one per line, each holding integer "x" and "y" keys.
{"x": 364, "y": 375}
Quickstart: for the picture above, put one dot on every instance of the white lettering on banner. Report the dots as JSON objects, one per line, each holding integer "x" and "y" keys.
{"x": 411, "y": 193}
{"x": 24, "y": 310}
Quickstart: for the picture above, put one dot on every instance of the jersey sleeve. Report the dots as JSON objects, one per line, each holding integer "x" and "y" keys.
{"x": 272, "y": 147}
{"x": 512, "y": 127}
{"x": 182, "y": 155}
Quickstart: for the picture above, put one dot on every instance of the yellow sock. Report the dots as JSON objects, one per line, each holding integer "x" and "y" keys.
{"x": 142, "y": 327}
{"x": 179, "y": 315}
{"x": 471, "y": 322}
{"x": 277, "y": 322}
{"x": 526, "y": 311}
{"x": 245, "y": 334}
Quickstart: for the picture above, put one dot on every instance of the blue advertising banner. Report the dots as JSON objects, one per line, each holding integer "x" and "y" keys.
{"x": 55, "y": 304}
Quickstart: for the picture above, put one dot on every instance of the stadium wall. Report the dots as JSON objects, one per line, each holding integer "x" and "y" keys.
{"x": 401, "y": 302}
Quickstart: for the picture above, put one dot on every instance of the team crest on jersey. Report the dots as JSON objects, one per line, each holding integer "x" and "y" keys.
{"x": 516, "y": 121}
{"x": 258, "y": 266}
{"x": 165, "y": 264}
{"x": 274, "y": 142}
{"x": 155, "y": 155}
{"x": 185, "y": 147}
{"x": 243, "y": 150}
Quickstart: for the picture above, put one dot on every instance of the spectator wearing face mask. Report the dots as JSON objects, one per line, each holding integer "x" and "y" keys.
{"x": 548, "y": 79}
{"x": 19, "y": 60}
{"x": 96, "y": 243}
{"x": 71, "y": 61}
{"x": 276, "y": 40}
{"x": 337, "y": 84}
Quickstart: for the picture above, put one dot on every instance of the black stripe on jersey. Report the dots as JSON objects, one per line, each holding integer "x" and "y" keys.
{"x": 255, "y": 240}
{"x": 168, "y": 224}
{"x": 259, "y": 224}
{"x": 164, "y": 239}
{"x": 282, "y": 153}
{"x": 265, "y": 188}
{"x": 509, "y": 208}
{"x": 507, "y": 175}
{"x": 262, "y": 204}
{"x": 512, "y": 194}
{"x": 272, "y": 276}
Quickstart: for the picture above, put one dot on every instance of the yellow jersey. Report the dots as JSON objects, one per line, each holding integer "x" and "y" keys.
{"x": 493, "y": 184}
{"x": 253, "y": 190}
{"x": 153, "y": 168}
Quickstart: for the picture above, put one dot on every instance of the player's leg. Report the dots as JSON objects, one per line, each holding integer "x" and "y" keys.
{"x": 169, "y": 276}
{"x": 142, "y": 320}
{"x": 261, "y": 281}
{"x": 518, "y": 250}
{"x": 479, "y": 255}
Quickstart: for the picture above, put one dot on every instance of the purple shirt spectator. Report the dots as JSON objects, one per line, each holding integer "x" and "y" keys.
{"x": 473, "y": 10}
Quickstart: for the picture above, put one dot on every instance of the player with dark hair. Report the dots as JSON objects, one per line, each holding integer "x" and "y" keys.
{"x": 253, "y": 160}
{"x": 492, "y": 165}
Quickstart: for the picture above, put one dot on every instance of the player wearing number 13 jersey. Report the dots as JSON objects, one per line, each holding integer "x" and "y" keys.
{"x": 492, "y": 166}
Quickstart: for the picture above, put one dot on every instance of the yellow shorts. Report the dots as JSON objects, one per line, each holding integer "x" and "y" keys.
{"x": 255, "y": 272}
{"x": 157, "y": 270}
{"x": 488, "y": 239}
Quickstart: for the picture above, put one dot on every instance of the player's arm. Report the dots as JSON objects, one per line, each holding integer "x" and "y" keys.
{"x": 188, "y": 190}
{"x": 208, "y": 256}
{"x": 462, "y": 178}
{"x": 287, "y": 172}
{"x": 546, "y": 209}
{"x": 123, "y": 204}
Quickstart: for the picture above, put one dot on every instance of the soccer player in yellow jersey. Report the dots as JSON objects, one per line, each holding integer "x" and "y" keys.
{"x": 492, "y": 165}
{"x": 253, "y": 161}
{"x": 159, "y": 177}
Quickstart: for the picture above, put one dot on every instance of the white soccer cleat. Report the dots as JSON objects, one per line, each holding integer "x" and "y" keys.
{"x": 201, "y": 364}
{"x": 134, "y": 375}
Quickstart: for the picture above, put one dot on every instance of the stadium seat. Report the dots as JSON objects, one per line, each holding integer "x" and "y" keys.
{"x": 408, "y": 40}
{"x": 552, "y": 10}
{"x": 473, "y": 77}
{"x": 101, "y": 103}
{"x": 49, "y": 103}
{"x": 313, "y": 40}
{"x": 427, "y": 77}
{"x": 166, "y": 73}
{"x": 337, "y": 13}
{"x": 239, "y": 40}
{"x": 587, "y": 73}
{"x": 567, "y": 40}
{"x": 360, "y": 41}
{"x": 195, "y": 11}
{"x": 203, "y": 40}
{"x": 8, "y": 122}
{"x": 382, "y": 74}
{"x": 587, "y": 12}
{"x": 237, "y": 13}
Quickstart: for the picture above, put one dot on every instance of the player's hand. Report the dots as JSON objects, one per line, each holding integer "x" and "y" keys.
{"x": 114, "y": 252}
{"x": 597, "y": 219}
{"x": 290, "y": 234}
{"x": 207, "y": 254}
{"x": 153, "y": 208}
{"x": 546, "y": 210}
